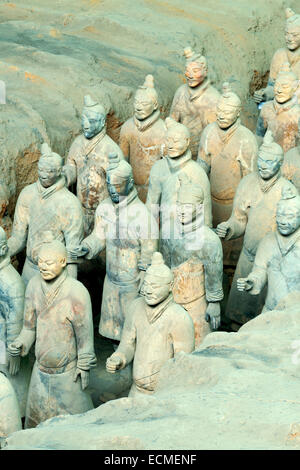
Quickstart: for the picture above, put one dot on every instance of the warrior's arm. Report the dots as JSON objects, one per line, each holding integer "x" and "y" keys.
{"x": 70, "y": 168}
{"x": 183, "y": 334}
{"x": 14, "y": 322}
{"x": 22, "y": 344}
{"x": 204, "y": 156}
{"x": 207, "y": 205}
{"x": 72, "y": 222}
{"x": 213, "y": 269}
{"x": 149, "y": 241}
{"x": 124, "y": 143}
{"x": 260, "y": 128}
{"x": 126, "y": 348}
{"x": 237, "y": 222}
{"x": 259, "y": 273}
{"x": 96, "y": 241}
{"x": 175, "y": 106}
{"x": 154, "y": 194}
{"x": 18, "y": 239}
{"x": 82, "y": 322}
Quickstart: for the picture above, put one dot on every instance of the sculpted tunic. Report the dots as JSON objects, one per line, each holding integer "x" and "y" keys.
{"x": 86, "y": 164}
{"x": 141, "y": 142}
{"x": 277, "y": 262}
{"x": 130, "y": 235}
{"x": 195, "y": 109}
{"x": 282, "y": 120}
{"x": 253, "y": 215}
{"x": 10, "y": 419}
{"x": 60, "y": 315}
{"x": 43, "y": 215}
{"x": 291, "y": 166}
{"x": 227, "y": 156}
{"x": 150, "y": 337}
{"x": 162, "y": 192}
{"x": 196, "y": 259}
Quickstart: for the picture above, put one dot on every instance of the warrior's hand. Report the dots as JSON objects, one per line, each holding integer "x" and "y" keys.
{"x": 244, "y": 284}
{"x": 81, "y": 251}
{"x": 213, "y": 315}
{"x": 113, "y": 363}
{"x": 85, "y": 377}
{"x": 222, "y": 229}
{"x": 13, "y": 364}
{"x": 16, "y": 348}
{"x": 259, "y": 95}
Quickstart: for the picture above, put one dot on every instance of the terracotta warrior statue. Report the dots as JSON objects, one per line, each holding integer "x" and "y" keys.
{"x": 164, "y": 182}
{"x": 195, "y": 103}
{"x": 227, "y": 152}
{"x": 291, "y": 163}
{"x": 46, "y": 211}
{"x": 5, "y": 220}
{"x": 253, "y": 215}
{"x": 142, "y": 136}
{"x": 127, "y": 229}
{"x": 196, "y": 260}
{"x": 87, "y": 160}
{"x": 277, "y": 261}
{"x": 155, "y": 330}
{"x": 290, "y": 54}
{"x": 12, "y": 292}
{"x": 281, "y": 115}
{"x": 58, "y": 318}
{"x": 10, "y": 418}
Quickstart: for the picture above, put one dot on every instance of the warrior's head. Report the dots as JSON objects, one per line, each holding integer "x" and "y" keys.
{"x": 49, "y": 166}
{"x": 158, "y": 281}
{"x": 292, "y": 30}
{"x": 270, "y": 157}
{"x": 286, "y": 84}
{"x": 146, "y": 99}
{"x": 177, "y": 138}
{"x": 195, "y": 67}
{"x": 52, "y": 259}
{"x": 119, "y": 178}
{"x": 93, "y": 118}
{"x": 229, "y": 107}
{"x": 189, "y": 202}
{"x": 288, "y": 211}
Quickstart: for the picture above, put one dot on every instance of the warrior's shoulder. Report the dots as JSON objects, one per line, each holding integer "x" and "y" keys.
{"x": 128, "y": 125}
{"x": 280, "y": 55}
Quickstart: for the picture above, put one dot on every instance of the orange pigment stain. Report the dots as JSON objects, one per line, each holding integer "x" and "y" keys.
{"x": 34, "y": 78}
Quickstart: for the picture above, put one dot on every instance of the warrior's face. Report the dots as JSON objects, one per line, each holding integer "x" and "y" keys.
{"x": 176, "y": 143}
{"x": 92, "y": 123}
{"x": 117, "y": 187}
{"x": 186, "y": 213}
{"x": 226, "y": 114}
{"x": 287, "y": 217}
{"x": 195, "y": 74}
{"x": 50, "y": 264}
{"x": 284, "y": 89}
{"x": 49, "y": 171}
{"x": 144, "y": 105}
{"x": 155, "y": 290}
{"x": 268, "y": 165}
{"x": 292, "y": 37}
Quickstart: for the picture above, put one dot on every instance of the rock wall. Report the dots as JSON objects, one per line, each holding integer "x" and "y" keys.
{"x": 52, "y": 53}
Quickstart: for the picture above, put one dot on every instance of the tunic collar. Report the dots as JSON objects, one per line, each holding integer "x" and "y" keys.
{"x": 286, "y": 244}
{"x": 51, "y": 290}
{"x": 148, "y": 122}
{"x": 126, "y": 200}
{"x": 195, "y": 93}
{"x": 280, "y": 108}
{"x": 226, "y": 134}
{"x": 154, "y": 313}
{"x": 293, "y": 56}
{"x": 179, "y": 162}
{"x": 45, "y": 193}
{"x": 90, "y": 144}
{"x": 266, "y": 185}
